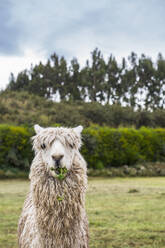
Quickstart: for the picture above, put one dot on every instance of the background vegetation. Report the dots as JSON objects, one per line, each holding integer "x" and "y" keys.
{"x": 113, "y": 151}
{"x": 112, "y": 101}
{"x": 137, "y": 82}
{"x": 22, "y": 108}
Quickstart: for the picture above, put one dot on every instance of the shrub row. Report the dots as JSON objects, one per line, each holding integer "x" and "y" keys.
{"x": 15, "y": 148}
{"x": 103, "y": 147}
{"x": 106, "y": 147}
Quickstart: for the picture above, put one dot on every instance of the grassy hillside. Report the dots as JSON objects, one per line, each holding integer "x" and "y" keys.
{"x": 21, "y": 108}
{"x": 123, "y": 213}
{"x": 25, "y": 109}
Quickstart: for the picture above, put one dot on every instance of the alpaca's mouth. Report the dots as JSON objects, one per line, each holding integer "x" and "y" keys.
{"x": 60, "y": 173}
{"x": 57, "y": 171}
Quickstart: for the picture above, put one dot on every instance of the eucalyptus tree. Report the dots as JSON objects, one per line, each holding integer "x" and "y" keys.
{"x": 112, "y": 83}
{"x": 95, "y": 76}
{"x": 64, "y": 89}
{"x": 159, "y": 94}
{"x": 74, "y": 86}
{"x": 54, "y": 73}
{"x": 20, "y": 82}
{"x": 132, "y": 80}
{"x": 147, "y": 83}
{"x": 12, "y": 82}
{"x": 40, "y": 83}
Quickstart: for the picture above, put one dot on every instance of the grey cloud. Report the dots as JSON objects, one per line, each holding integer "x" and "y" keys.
{"x": 69, "y": 26}
{"x": 8, "y": 32}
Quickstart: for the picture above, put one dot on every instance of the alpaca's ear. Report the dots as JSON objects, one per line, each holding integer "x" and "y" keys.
{"x": 78, "y": 129}
{"x": 38, "y": 129}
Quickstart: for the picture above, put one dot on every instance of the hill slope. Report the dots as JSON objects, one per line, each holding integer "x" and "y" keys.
{"x": 22, "y": 108}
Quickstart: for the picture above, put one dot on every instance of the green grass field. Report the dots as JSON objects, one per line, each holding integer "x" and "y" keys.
{"x": 123, "y": 212}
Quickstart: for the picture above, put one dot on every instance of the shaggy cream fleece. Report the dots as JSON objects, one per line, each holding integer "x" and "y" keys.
{"x": 54, "y": 214}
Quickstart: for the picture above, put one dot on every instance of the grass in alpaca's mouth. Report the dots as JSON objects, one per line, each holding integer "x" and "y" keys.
{"x": 60, "y": 173}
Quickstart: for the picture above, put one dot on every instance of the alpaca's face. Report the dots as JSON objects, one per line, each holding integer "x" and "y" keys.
{"x": 57, "y": 156}
{"x": 57, "y": 146}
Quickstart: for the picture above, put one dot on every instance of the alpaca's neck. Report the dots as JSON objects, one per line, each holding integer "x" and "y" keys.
{"x": 58, "y": 201}
{"x": 59, "y": 205}
{"x": 52, "y": 193}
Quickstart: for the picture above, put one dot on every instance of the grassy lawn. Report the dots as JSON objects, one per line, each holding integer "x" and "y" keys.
{"x": 123, "y": 212}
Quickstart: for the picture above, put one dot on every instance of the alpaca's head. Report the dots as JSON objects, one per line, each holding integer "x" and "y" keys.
{"x": 57, "y": 146}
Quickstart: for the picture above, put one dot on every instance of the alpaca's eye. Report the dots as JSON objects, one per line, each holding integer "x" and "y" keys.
{"x": 43, "y": 146}
{"x": 71, "y": 146}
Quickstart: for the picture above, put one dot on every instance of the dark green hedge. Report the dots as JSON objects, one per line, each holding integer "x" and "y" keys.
{"x": 15, "y": 147}
{"x": 103, "y": 147}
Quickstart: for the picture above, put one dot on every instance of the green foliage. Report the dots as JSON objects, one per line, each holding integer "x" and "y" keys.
{"x": 103, "y": 147}
{"x": 16, "y": 151}
{"x": 137, "y": 82}
{"x": 124, "y": 146}
{"x": 61, "y": 173}
{"x": 60, "y": 198}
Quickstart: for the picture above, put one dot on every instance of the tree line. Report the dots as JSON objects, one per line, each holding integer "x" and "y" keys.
{"x": 136, "y": 82}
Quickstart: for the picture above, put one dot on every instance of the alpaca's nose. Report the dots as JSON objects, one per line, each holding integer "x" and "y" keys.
{"x": 57, "y": 158}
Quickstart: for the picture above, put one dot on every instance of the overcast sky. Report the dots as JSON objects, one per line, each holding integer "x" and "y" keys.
{"x": 30, "y": 31}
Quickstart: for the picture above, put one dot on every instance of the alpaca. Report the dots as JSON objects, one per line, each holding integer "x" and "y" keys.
{"x": 54, "y": 214}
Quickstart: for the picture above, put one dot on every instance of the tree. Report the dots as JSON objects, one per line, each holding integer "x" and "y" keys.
{"x": 112, "y": 84}
{"x": 63, "y": 80}
{"x": 146, "y": 75}
{"x": 160, "y": 82}
{"x": 22, "y": 81}
{"x": 137, "y": 82}
{"x": 131, "y": 81}
{"x": 39, "y": 84}
{"x": 74, "y": 81}
{"x": 95, "y": 76}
